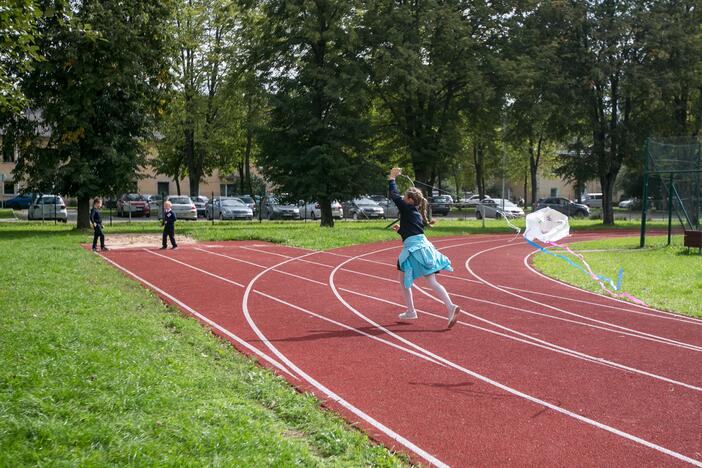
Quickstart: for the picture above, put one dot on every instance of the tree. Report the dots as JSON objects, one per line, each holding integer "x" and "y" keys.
{"x": 315, "y": 146}
{"x": 428, "y": 61}
{"x": 205, "y": 35}
{"x": 97, "y": 91}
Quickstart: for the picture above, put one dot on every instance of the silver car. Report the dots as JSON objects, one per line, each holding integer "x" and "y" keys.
{"x": 48, "y": 207}
{"x": 387, "y": 205}
{"x": 228, "y": 208}
{"x": 183, "y": 207}
{"x": 497, "y": 208}
{"x": 272, "y": 208}
{"x": 314, "y": 211}
{"x": 363, "y": 208}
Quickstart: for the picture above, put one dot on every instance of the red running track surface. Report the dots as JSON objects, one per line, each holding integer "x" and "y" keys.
{"x": 535, "y": 373}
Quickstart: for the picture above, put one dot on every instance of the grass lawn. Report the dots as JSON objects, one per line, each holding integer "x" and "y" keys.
{"x": 667, "y": 278}
{"x": 6, "y": 213}
{"x": 95, "y": 370}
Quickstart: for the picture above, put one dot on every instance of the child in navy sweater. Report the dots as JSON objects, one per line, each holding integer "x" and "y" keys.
{"x": 419, "y": 258}
{"x": 96, "y": 223}
{"x": 169, "y": 219}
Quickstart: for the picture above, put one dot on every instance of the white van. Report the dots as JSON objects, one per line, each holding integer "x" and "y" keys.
{"x": 593, "y": 200}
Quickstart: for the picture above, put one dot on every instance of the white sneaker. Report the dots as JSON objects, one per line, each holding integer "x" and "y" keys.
{"x": 453, "y": 316}
{"x": 408, "y": 315}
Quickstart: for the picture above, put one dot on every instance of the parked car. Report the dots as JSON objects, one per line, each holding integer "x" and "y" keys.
{"x": 199, "y": 203}
{"x": 250, "y": 202}
{"x": 228, "y": 208}
{"x": 387, "y": 205}
{"x": 182, "y": 206}
{"x": 155, "y": 204}
{"x": 563, "y": 205}
{"x": 133, "y": 203}
{"x": 440, "y": 204}
{"x": 312, "y": 210}
{"x": 498, "y": 208}
{"x": 272, "y": 208}
{"x": 593, "y": 200}
{"x": 20, "y": 202}
{"x": 363, "y": 208}
{"x": 48, "y": 207}
{"x": 630, "y": 203}
{"x": 472, "y": 201}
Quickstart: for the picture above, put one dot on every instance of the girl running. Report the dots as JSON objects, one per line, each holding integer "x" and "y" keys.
{"x": 418, "y": 257}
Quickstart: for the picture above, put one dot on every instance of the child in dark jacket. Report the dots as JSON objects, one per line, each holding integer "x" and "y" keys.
{"x": 169, "y": 219}
{"x": 96, "y": 223}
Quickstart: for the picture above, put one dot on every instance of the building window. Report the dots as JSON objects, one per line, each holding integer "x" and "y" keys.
{"x": 163, "y": 188}
{"x": 8, "y": 187}
{"x": 226, "y": 190}
{"x": 554, "y": 192}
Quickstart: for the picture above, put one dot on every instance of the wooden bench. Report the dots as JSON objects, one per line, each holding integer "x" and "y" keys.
{"x": 693, "y": 239}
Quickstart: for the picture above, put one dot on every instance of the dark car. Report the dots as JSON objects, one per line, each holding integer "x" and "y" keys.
{"x": 440, "y": 205}
{"x": 564, "y": 206}
{"x": 200, "y": 203}
{"x": 20, "y": 202}
{"x": 250, "y": 202}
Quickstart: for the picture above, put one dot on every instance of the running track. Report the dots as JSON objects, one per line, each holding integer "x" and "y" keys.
{"x": 535, "y": 372}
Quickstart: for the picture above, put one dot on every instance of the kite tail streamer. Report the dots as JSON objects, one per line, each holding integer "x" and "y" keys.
{"x": 603, "y": 281}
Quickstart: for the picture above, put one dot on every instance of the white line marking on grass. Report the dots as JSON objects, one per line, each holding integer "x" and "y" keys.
{"x": 507, "y": 389}
{"x": 206, "y": 320}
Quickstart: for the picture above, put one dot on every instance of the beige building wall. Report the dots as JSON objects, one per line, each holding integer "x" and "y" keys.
{"x": 553, "y": 187}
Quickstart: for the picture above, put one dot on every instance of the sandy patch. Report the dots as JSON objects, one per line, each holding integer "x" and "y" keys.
{"x": 137, "y": 241}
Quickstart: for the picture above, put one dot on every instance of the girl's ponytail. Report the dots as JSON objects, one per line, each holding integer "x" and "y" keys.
{"x": 421, "y": 203}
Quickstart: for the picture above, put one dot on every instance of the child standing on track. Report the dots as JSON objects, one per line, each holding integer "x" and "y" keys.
{"x": 418, "y": 257}
{"x": 96, "y": 223}
{"x": 169, "y": 219}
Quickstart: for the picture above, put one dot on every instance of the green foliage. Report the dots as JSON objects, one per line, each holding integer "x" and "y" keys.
{"x": 18, "y": 43}
{"x": 316, "y": 144}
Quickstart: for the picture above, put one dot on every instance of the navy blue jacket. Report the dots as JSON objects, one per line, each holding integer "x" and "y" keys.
{"x": 170, "y": 219}
{"x": 95, "y": 217}
{"x": 411, "y": 222}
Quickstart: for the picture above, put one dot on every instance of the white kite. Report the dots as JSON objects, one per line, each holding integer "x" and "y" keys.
{"x": 546, "y": 225}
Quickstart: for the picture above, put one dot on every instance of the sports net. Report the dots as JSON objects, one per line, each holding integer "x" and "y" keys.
{"x": 674, "y": 170}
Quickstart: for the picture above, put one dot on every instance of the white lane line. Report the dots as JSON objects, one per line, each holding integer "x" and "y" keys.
{"x": 505, "y": 388}
{"x": 554, "y": 347}
{"x": 206, "y": 320}
{"x": 667, "y": 341}
{"x": 348, "y": 327}
{"x": 658, "y": 313}
{"x": 327, "y": 391}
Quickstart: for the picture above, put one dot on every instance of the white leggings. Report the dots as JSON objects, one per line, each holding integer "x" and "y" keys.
{"x": 433, "y": 283}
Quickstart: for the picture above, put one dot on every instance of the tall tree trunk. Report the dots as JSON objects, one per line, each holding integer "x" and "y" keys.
{"x": 177, "y": 184}
{"x": 534, "y": 161}
{"x": 526, "y": 180}
{"x": 83, "y": 221}
{"x": 247, "y": 160}
{"x": 607, "y": 182}
{"x": 240, "y": 169}
{"x": 478, "y": 161}
{"x": 326, "y": 218}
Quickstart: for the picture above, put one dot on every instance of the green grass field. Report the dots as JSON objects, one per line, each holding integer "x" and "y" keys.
{"x": 667, "y": 278}
{"x": 96, "y": 370}
{"x": 6, "y": 213}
